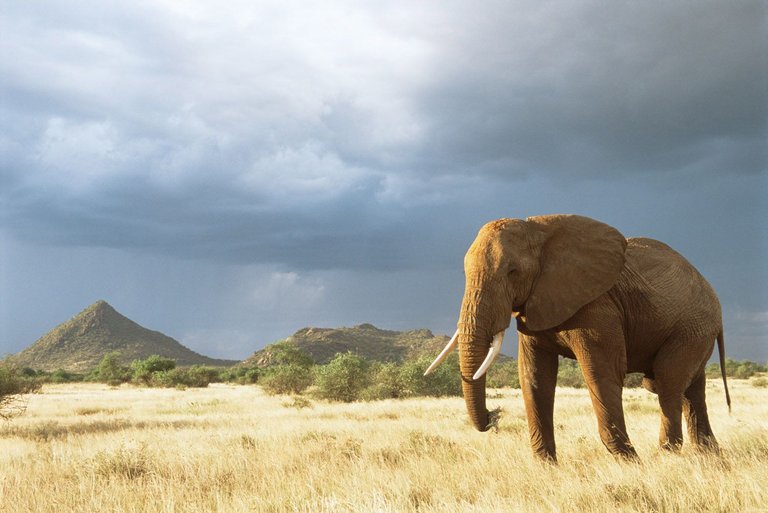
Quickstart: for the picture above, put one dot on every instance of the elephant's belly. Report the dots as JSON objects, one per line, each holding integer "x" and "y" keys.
{"x": 641, "y": 352}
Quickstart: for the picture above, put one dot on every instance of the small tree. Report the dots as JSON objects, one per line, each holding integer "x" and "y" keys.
{"x": 569, "y": 374}
{"x": 63, "y": 376}
{"x": 110, "y": 371}
{"x": 386, "y": 382}
{"x": 241, "y": 375}
{"x": 445, "y": 380}
{"x": 12, "y": 386}
{"x": 286, "y": 379}
{"x": 504, "y": 374}
{"x": 633, "y": 380}
{"x": 196, "y": 376}
{"x": 287, "y": 353}
{"x": 735, "y": 369}
{"x": 343, "y": 378}
{"x": 143, "y": 370}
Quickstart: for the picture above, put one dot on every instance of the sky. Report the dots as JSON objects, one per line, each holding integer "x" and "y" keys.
{"x": 230, "y": 175}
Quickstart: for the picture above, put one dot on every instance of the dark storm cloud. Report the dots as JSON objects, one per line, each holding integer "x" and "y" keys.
{"x": 279, "y": 141}
{"x": 373, "y": 137}
{"x": 599, "y": 88}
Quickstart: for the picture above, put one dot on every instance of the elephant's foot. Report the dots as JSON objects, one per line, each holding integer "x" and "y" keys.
{"x": 706, "y": 443}
{"x": 545, "y": 455}
{"x": 672, "y": 446}
{"x": 631, "y": 455}
{"x": 625, "y": 452}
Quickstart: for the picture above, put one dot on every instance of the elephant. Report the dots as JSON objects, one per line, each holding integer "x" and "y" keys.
{"x": 578, "y": 289}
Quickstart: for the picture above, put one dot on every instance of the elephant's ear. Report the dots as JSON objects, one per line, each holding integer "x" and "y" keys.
{"x": 580, "y": 260}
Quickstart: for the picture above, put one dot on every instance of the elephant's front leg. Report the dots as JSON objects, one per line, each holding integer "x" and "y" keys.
{"x": 603, "y": 372}
{"x": 538, "y": 378}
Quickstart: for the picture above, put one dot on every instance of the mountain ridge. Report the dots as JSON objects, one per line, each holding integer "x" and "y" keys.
{"x": 373, "y": 343}
{"x": 77, "y": 345}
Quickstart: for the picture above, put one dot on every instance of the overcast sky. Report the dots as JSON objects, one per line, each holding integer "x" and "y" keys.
{"x": 230, "y": 175}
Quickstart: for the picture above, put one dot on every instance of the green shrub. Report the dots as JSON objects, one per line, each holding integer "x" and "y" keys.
{"x": 250, "y": 376}
{"x": 28, "y": 372}
{"x": 504, "y": 375}
{"x": 240, "y": 375}
{"x": 343, "y": 378}
{"x": 569, "y": 374}
{"x": 633, "y": 380}
{"x": 144, "y": 369}
{"x": 13, "y": 383}
{"x": 286, "y": 379}
{"x": 286, "y": 353}
{"x": 110, "y": 371}
{"x": 196, "y": 376}
{"x": 736, "y": 369}
{"x": 445, "y": 380}
{"x": 386, "y": 382}
{"x": 63, "y": 376}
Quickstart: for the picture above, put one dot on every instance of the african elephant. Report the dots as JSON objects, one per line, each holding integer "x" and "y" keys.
{"x": 577, "y": 288}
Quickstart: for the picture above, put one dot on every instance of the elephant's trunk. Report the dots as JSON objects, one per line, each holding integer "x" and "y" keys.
{"x": 474, "y": 341}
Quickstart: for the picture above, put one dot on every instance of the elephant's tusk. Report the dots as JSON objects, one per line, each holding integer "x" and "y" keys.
{"x": 446, "y": 351}
{"x": 493, "y": 353}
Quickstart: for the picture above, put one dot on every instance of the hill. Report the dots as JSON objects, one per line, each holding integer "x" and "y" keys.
{"x": 322, "y": 344}
{"x": 80, "y": 343}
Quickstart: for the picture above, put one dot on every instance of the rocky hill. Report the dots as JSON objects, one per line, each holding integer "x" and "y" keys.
{"x": 80, "y": 343}
{"x": 322, "y": 344}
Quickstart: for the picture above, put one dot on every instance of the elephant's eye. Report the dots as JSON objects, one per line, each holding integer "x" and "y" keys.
{"x": 512, "y": 270}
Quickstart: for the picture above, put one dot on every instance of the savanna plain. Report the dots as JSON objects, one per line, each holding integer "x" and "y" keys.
{"x": 233, "y": 448}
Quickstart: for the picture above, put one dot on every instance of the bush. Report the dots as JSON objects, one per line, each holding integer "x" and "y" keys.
{"x": 250, "y": 376}
{"x": 736, "y": 369}
{"x": 28, "y": 372}
{"x": 196, "y": 376}
{"x": 286, "y": 379}
{"x": 240, "y": 375}
{"x": 445, "y": 380}
{"x": 12, "y": 385}
{"x": 286, "y": 353}
{"x": 143, "y": 370}
{"x": 343, "y": 378}
{"x": 504, "y": 374}
{"x": 569, "y": 374}
{"x": 386, "y": 383}
{"x": 110, "y": 371}
{"x": 63, "y": 376}
{"x": 633, "y": 380}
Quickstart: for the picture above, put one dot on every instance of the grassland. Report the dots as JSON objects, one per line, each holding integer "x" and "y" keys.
{"x": 89, "y": 448}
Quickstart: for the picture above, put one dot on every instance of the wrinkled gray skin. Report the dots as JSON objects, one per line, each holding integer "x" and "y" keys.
{"x": 579, "y": 289}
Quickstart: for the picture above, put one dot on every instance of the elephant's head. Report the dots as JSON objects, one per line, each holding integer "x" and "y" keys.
{"x": 541, "y": 269}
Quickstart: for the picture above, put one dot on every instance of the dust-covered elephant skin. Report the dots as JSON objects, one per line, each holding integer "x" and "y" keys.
{"x": 577, "y": 288}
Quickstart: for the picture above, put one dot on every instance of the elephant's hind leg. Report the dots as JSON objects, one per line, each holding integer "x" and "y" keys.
{"x": 673, "y": 374}
{"x": 671, "y": 433}
{"x": 695, "y": 409}
{"x": 680, "y": 382}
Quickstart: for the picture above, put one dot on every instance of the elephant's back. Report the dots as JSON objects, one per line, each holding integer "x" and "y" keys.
{"x": 657, "y": 261}
{"x": 672, "y": 279}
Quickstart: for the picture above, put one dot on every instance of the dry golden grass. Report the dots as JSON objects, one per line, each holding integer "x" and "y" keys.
{"x": 88, "y": 448}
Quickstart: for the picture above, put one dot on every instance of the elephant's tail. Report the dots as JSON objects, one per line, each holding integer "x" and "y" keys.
{"x": 721, "y": 352}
